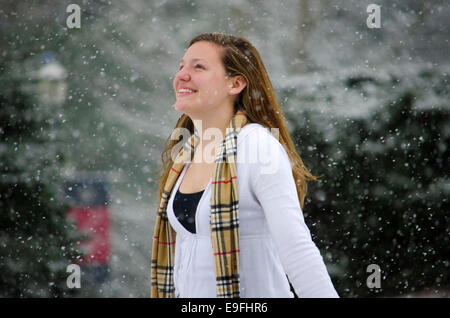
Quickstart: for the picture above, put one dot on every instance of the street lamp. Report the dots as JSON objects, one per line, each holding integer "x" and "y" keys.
{"x": 51, "y": 81}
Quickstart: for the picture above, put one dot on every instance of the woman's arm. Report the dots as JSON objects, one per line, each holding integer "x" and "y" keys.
{"x": 274, "y": 186}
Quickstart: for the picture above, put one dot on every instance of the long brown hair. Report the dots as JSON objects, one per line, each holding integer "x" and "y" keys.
{"x": 257, "y": 100}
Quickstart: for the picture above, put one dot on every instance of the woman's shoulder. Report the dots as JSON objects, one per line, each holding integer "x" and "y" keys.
{"x": 252, "y": 131}
{"x": 257, "y": 134}
{"x": 260, "y": 150}
{"x": 258, "y": 141}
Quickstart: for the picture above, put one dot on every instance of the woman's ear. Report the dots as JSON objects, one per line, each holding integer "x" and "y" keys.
{"x": 237, "y": 84}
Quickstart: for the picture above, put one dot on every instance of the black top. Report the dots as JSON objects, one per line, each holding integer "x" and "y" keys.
{"x": 185, "y": 206}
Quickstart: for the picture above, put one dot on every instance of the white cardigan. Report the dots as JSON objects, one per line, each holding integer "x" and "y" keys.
{"x": 274, "y": 239}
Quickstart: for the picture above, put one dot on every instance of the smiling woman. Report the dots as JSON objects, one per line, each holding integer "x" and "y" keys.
{"x": 202, "y": 86}
{"x": 229, "y": 228}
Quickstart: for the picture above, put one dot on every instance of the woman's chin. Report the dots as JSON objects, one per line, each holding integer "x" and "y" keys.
{"x": 181, "y": 107}
{"x": 184, "y": 108}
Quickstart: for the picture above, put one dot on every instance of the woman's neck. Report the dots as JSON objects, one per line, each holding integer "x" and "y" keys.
{"x": 211, "y": 130}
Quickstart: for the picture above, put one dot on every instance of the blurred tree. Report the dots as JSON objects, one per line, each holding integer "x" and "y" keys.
{"x": 383, "y": 198}
{"x": 37, "y": 242}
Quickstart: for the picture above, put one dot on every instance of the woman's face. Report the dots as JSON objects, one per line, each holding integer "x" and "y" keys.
{"x": 201, "y": 85}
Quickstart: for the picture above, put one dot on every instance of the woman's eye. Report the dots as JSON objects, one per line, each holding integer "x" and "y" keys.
{"x": 196, "y": 66}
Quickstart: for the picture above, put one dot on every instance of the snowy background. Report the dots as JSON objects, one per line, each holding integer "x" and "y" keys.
{"x": 111, "y": 112}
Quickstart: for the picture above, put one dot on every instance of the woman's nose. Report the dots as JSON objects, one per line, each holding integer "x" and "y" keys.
{"x": 183, "y": 75}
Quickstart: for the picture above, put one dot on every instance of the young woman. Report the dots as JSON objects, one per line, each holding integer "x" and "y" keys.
{"x": 230, "y": 220}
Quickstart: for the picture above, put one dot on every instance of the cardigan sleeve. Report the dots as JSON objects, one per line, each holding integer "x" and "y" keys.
{"x": 274, "y": 187}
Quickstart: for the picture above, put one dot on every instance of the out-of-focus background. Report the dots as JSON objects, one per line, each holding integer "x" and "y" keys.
{"x": 84, "y": 114}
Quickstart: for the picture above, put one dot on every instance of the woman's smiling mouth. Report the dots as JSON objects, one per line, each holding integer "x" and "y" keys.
{"x": 185, "y": 92}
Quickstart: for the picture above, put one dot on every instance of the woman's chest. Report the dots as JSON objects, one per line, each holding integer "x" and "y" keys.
{"x": 196, "y": 177}
{"x": 251, "y": 216}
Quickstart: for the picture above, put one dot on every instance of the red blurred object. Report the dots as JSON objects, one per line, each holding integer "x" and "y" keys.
{"x": 93, "y": 221}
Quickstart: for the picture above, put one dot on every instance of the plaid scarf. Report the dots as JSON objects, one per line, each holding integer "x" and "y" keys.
{"x": 224, "y": 219}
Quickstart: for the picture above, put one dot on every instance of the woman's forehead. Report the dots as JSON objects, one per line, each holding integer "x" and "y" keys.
{"x": 206, "y": 51}
{"x": 195, "y": 59}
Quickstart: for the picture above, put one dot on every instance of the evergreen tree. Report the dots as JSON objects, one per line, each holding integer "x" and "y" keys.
{"x": 383, "y": 195}
{"x": 37, "y": 242}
